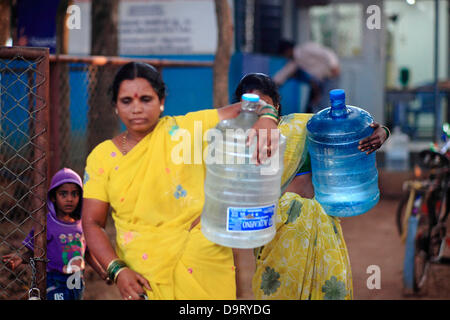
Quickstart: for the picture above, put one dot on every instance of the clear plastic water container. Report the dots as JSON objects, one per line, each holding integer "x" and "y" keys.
{"x": 241, "y": 197}
{"x": 345, "y": 179}
{"x": 397, "y": 151}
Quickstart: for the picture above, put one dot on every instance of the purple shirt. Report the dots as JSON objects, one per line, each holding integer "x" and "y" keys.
{"x": 65, "y": 241}
{"x": 66, "y": 245}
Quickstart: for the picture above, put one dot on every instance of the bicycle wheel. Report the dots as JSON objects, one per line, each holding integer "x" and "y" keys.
{"x": 421, "y": 266}
{"x": 416, "y": 262}
{"x": 421, "y": 255}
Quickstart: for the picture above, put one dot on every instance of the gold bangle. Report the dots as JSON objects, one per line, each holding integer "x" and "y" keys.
{"x": 274, "y": 118}
{"x": 117, "y": 273}
{"x": 111, "y": 263}
{"x": 269, "y": 115}
{"x": 114, "y": 267}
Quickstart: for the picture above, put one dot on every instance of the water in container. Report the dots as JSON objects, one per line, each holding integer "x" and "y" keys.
{"x": 345, "y": 179}
{"x": 241, "y": 197}
{"x": 397, "y": 151}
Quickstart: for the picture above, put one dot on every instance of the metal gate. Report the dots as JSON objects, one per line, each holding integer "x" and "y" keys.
{"x": 24, "y": 148}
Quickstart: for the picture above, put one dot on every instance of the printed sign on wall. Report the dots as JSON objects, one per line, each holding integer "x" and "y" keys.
{"x": 167, "y": 27}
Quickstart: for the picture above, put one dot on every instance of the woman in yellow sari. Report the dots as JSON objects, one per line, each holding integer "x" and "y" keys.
{"x": 308, "y": 258}
{"x": 151, "y": 176}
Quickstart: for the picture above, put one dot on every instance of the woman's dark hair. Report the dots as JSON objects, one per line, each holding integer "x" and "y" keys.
{"x": 133, "y": 70}
{"x": 260, "y": 82}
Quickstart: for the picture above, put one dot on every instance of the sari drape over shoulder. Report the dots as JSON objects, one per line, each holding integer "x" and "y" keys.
{"x": 308, "y": 257}
{"x": 156, "y": 192}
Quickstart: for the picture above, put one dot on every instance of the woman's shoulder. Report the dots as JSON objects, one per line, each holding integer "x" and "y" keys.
{"x": 103, "y": 147}
{"x": 207, "y": 117}
{"x": 198, "y": 115}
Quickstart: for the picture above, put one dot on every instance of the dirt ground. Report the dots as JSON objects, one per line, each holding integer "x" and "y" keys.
{"x": 372, "y": 240}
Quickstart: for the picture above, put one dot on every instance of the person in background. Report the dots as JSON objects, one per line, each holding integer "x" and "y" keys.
{"x": 313, "y": 64}
{"x": 308, "y": 257}
{"x": 66, "y": 246}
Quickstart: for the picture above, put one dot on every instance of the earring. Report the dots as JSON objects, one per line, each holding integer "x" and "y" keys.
{"x": 117, "y": 112}
{"x": 161, "y": 108}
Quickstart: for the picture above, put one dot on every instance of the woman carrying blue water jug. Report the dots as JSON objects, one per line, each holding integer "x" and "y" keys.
{"x": 308, "y": 257}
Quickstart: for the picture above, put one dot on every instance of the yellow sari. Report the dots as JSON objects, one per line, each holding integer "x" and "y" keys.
{"x": 154, "y": 201}
{"x": 308, "y": 258}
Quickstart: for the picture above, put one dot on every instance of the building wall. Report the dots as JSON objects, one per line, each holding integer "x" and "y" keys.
{"x": 413, "y": 40}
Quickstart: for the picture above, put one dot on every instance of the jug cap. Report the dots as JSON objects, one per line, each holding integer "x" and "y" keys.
{"x": 250, "y": 97}
{"x": 337, "y": 94}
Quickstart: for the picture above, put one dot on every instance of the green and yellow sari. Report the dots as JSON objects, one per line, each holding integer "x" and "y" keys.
{"x": 308, "y": 257}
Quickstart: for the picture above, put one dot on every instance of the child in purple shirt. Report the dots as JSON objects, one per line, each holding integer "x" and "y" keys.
{"x": 66, "y": 246}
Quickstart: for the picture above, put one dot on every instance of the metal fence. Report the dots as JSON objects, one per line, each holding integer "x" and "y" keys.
{"x": 24, "y": 110}
{"x": 54, "y": 110}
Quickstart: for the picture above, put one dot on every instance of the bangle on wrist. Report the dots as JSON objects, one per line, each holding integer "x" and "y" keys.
{"x": 270, "y": 116}
{"x": 114, "y": 268}
{"x": 388, "y": 133}
{"x": 117, "y": 273}
{"x": 268, "y": 106}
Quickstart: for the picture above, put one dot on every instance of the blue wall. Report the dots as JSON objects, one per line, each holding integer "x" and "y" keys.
{"x": 191, "y": 89}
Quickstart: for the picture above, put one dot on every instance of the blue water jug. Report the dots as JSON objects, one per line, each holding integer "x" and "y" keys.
{"x": 345, "y": 179}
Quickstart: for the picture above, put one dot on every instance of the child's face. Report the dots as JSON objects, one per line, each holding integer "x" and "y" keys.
{"x": 67, "y": 197}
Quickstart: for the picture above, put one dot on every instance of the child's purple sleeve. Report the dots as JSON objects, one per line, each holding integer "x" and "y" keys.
{"x": 29, "y": 240}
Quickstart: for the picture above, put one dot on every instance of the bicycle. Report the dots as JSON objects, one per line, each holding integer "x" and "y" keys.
{"x": 421, "y": 217}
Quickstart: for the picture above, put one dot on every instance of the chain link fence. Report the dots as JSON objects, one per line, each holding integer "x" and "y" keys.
{"x": 74, "y": 116}
{"x": 24, "y": 110}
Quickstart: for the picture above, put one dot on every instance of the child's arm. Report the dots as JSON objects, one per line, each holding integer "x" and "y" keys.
{"x": 13, "y": 260}
{"x": 93, "y": 262}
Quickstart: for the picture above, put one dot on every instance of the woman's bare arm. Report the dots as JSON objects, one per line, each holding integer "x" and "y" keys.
{"x": 94, "y": 216}
{"x": 131, "y": 284}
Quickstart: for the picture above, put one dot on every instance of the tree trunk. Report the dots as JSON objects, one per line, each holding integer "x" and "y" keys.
{"x": 61, "y": 144}
{"x": 5, "y": 21}
{"x": 62, "y": 32}
{"x": 103, "y": 123}
{"x": 223, "y": 53}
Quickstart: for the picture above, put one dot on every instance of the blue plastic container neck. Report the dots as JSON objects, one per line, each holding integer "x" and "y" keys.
{"x": 337, "y": 101}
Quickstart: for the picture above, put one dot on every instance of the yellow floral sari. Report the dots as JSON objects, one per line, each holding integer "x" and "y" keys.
{"x": 308, "y": 258}
{"x": 154, "y": 201}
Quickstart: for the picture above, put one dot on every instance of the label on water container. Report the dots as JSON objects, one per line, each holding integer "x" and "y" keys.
{"x": 249, "y": 219}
